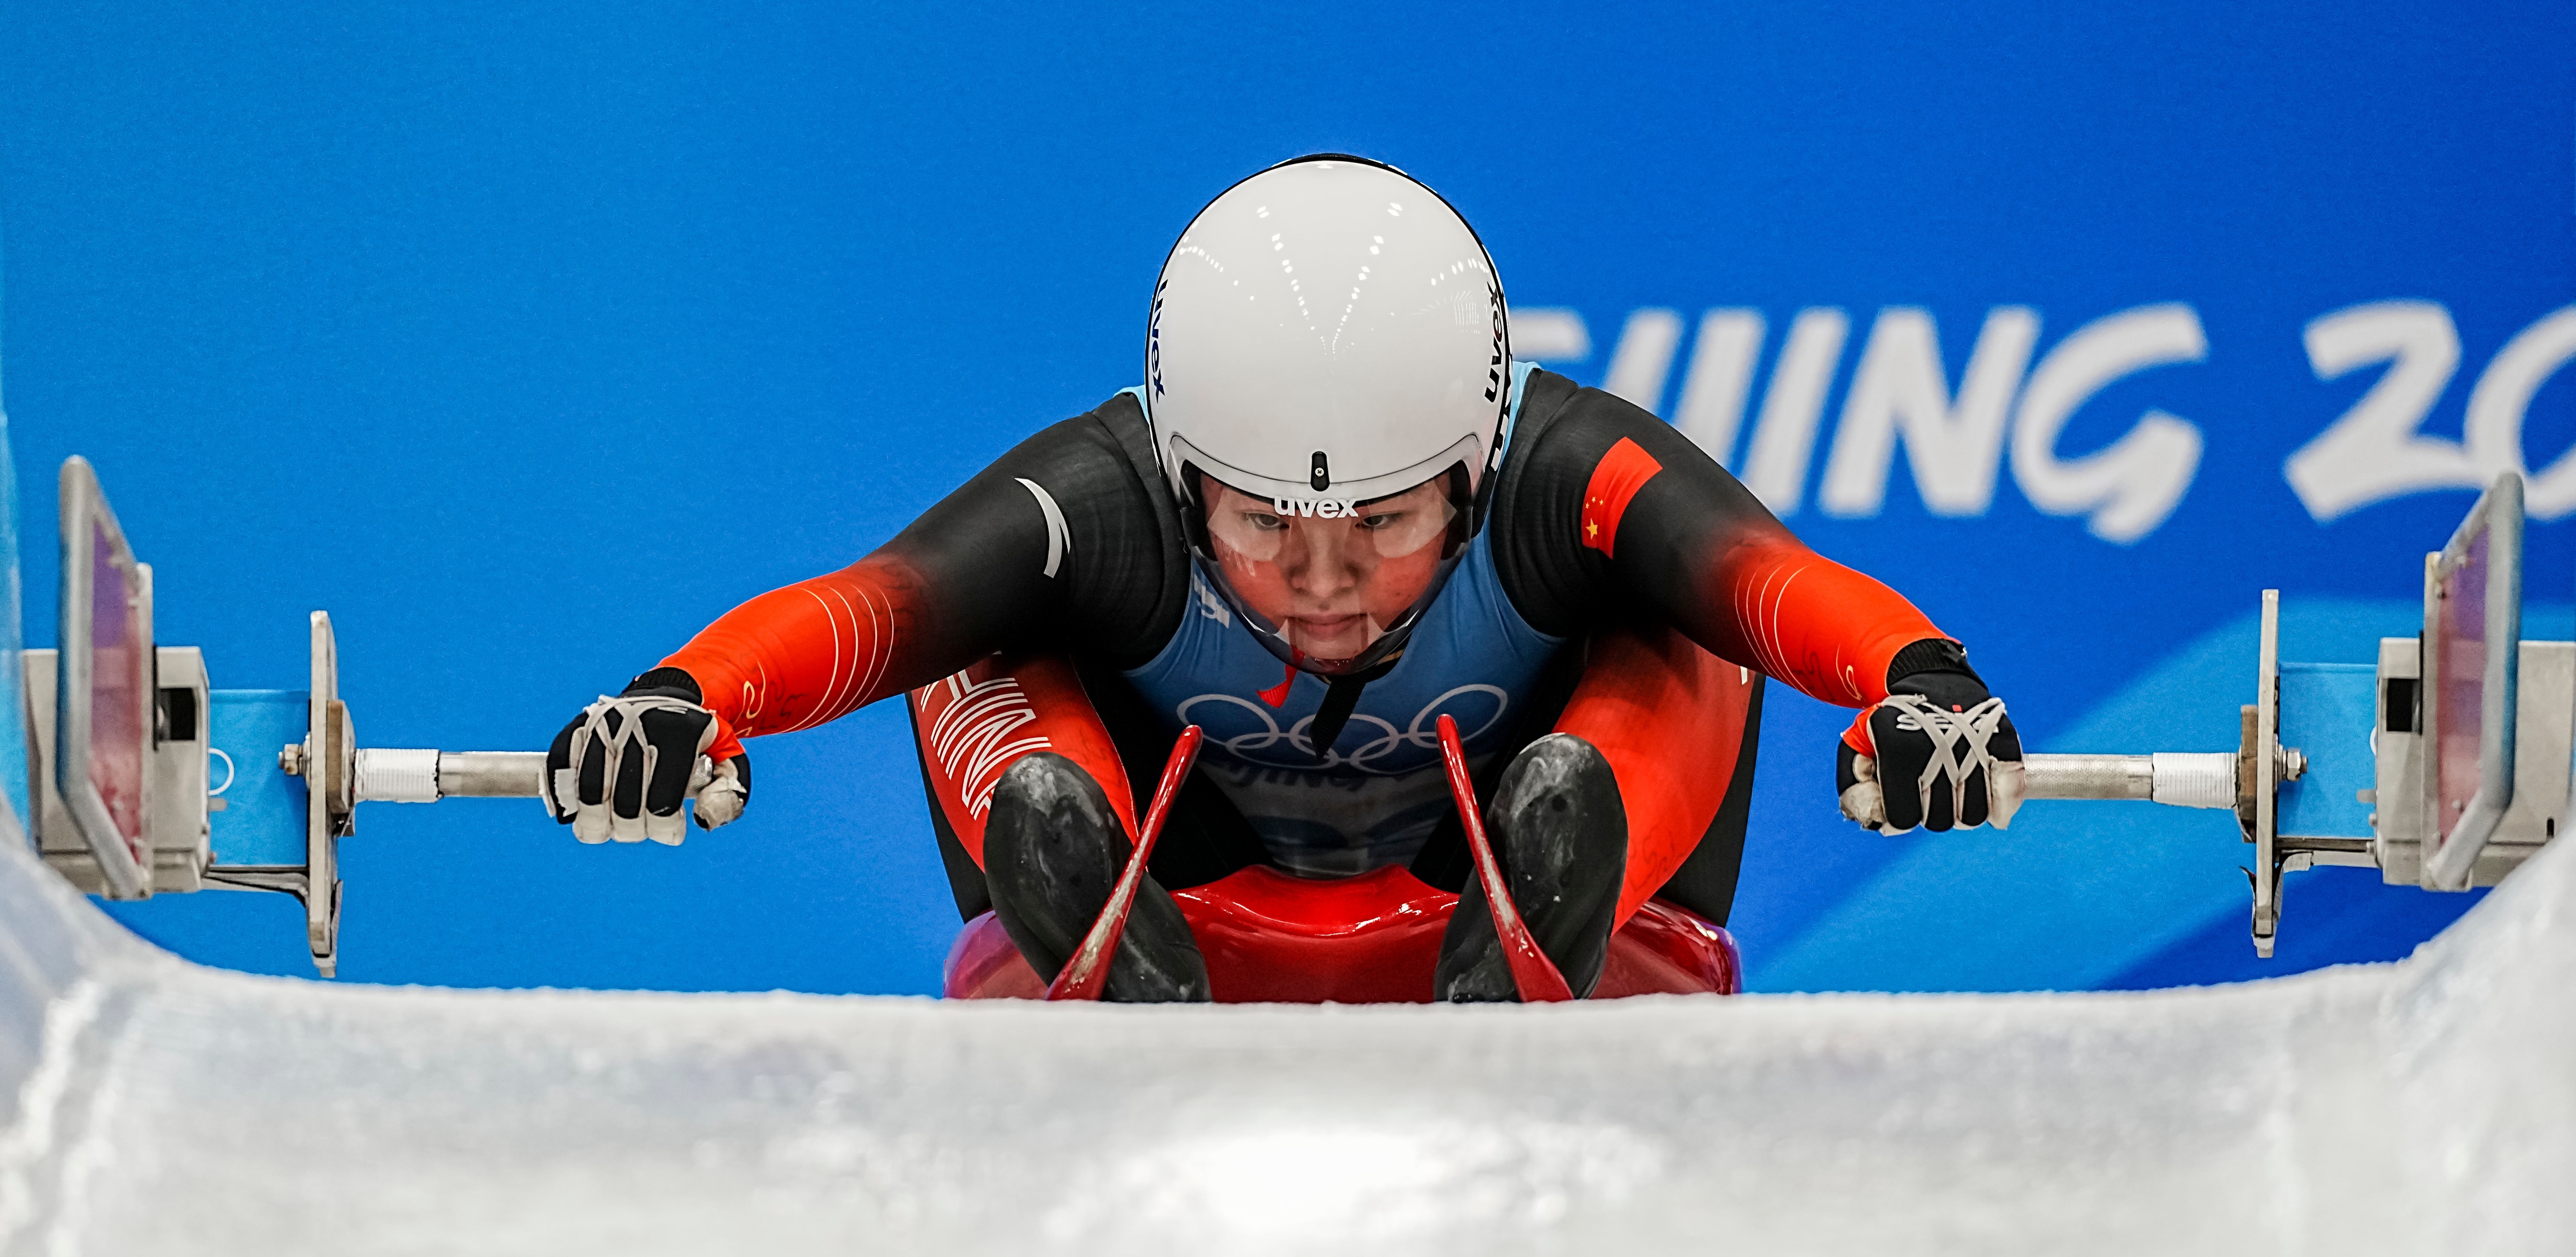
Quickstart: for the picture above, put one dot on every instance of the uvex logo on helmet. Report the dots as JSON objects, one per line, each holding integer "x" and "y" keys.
{"x": 1494, "y": 375}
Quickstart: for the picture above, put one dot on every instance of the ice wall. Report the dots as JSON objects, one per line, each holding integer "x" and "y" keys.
{"x": 157, "y": 1107}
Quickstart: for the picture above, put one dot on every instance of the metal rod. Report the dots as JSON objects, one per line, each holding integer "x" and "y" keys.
{"x": 2178, "y": 779}
{"x": 519, "y": 775}
{"x": 491, "y": 774}
{"x": 2088, "y": 777}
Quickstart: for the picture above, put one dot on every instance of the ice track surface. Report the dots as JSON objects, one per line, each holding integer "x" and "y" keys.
{"x": 153, "y": 1106}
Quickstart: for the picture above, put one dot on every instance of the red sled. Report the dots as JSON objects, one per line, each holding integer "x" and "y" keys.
{"x": 1372, "y": 939}
{"x": 1269, "y": 937}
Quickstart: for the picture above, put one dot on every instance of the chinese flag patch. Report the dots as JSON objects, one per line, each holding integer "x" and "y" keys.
{"x": 1615, "y": 480}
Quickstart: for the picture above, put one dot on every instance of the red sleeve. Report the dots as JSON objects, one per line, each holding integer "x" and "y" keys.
{"x": 1060, "y": 542}
{"x": 812, "y": 652}
{"x": 1820, "y": 626}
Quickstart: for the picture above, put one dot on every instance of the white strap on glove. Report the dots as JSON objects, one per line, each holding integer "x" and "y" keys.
{"x": 622, "y": 769}
{"x": 1957, "y": 749}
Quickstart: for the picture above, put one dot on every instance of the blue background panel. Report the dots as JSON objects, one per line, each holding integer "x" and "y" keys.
{"x": 262, "y": 821}
{"x": 2327, "y": 713}
{"x": 527, "y": 341}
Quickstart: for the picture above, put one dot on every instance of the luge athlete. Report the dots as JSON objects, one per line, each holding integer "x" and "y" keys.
{"x": 1334, "y": 511}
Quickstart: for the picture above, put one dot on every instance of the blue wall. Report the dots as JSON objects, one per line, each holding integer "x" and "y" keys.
{"x": 526, "y": 343}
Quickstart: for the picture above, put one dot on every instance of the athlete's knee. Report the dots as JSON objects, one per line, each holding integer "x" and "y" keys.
{"x": 1051, "y": 820}
{"x": 1561, "y": 835}
{"x": 1047, "y": 776}
{"x": 1558, "y": 803}
{"x": 1046, "y": 781}
{"x": 1053, "y": 848}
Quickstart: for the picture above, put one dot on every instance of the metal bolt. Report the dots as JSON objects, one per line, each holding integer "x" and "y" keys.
{"x": 291, "y": 760}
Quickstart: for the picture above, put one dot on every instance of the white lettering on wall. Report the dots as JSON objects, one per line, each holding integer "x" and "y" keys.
{"x": 1644, "y": 357}
{"x": 2130, "y": 486}
{"x": 1784, "y": 438}
{"x": 2374, "y": 452}
{"x": 1955, "y": 443}
{"x": 1549, "y": 334}
{"x": 1720, "y": 382}
{"x": 2498, "y": 404}
{"x": 1899, "y": 389}
{"x": 2377, "y": 451}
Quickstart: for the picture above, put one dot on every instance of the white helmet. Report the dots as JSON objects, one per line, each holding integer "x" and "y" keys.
{"x": 1328, "y": 333}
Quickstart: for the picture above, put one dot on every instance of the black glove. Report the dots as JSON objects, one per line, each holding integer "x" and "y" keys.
{"x": 624, "y": 766}
{"x": 1939, "y": 752}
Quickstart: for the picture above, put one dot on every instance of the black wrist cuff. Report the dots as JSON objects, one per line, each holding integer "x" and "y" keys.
{"x": 1932, "y": 654}
{"x": 674, "y": 683}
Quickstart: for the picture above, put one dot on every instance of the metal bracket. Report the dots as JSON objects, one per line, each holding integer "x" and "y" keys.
{"x": 330, "y": 775}
{"x": 2262, "y": 764}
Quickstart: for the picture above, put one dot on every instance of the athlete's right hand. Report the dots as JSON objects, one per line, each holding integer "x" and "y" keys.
{"x": 624, "y": 766}
{"x": 1938, "y": 752}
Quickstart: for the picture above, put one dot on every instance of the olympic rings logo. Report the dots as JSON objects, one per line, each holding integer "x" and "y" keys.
{"x": 1225, "y": 729}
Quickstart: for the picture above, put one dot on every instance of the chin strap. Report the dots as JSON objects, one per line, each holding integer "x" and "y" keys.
{"x": 1340, "y": 700}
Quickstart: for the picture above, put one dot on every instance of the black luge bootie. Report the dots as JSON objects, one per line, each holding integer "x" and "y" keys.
{"x": 1052, "y": 852}
{"x": 1560, "y": 834}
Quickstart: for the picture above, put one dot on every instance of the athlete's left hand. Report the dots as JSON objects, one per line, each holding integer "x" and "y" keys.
{"x": 1937, "y": 752}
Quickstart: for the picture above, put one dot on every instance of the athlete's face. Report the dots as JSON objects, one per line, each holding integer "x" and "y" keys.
{"x": 1331, "y": 585}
